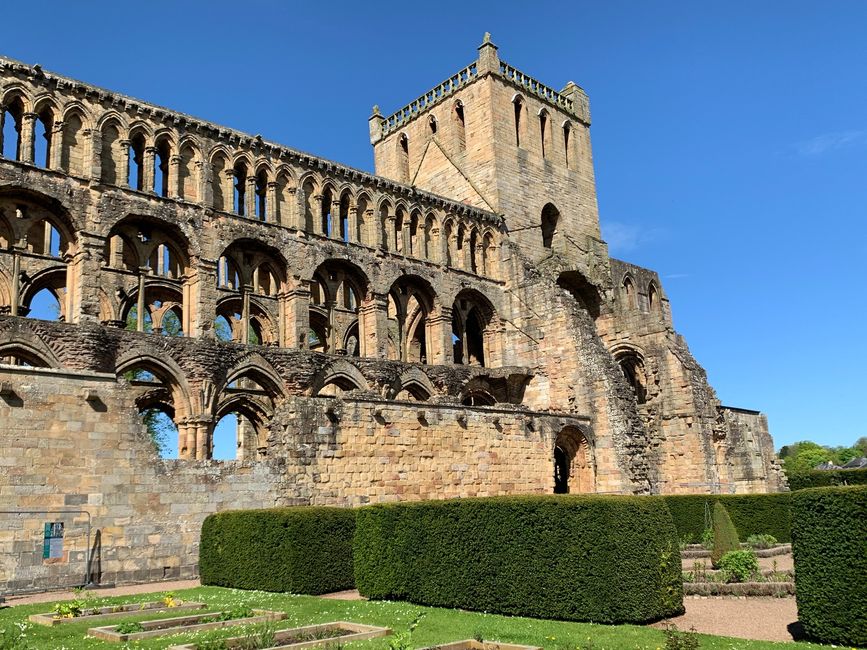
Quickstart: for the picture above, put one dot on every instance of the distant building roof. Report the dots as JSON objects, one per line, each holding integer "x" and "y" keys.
{"x": 827, "y": 465}
{"x": 856, "y": 463}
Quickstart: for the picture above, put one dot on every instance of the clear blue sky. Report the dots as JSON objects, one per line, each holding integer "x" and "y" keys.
{"x": 730, "y": 142}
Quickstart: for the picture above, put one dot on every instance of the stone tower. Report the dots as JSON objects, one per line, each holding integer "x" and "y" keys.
{"x": 499, "y": 140}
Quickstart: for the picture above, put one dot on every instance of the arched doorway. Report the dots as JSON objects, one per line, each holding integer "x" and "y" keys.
{"x": 573, "y": 465}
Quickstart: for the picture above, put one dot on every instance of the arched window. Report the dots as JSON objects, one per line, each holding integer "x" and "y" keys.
{"x": 42, "y": 137}
{"x": 519, "y": 108}
{"x": 629, "y": 293}
{"x": 567, "y": 132}
{"x": 432, "y": 125}
{"x": 135, "y": 175}
{"x": 336, "y": 291}
{"x": 472, "y": 315}
{"x": 344, "y": 218}
{"x": 188, "y": 182}
{"x": 72, "y": 147}
{"x": 550, "y": 217}
{"x": 161, "y": 168}
{"x": 460, "y": 125}
{"x": 13, "y": 123}
{"x": 411, "y": 301}
{"x": 240, "y": 189}
{"x": 403, "y": 157}
{"x": 227, "y": 436}
{"x": 652, "y": 298}
{"x": 262, "y": 196}
{"x": 218, "y": 173}
{"x": 326, "y": 222}
{"x": 632, "y": 365}
{"x": 111, "y": 155}
{"x": 543, "y": 126}
{"x": 162, "y": 430}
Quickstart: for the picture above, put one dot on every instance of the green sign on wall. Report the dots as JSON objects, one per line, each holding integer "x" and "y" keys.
{"x": 52, "y": 541}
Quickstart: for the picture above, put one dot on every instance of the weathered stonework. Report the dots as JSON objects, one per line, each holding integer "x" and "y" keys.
{"x": 452, "y": 326}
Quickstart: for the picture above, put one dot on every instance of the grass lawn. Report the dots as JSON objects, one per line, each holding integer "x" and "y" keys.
{"x": 436, "y": 625}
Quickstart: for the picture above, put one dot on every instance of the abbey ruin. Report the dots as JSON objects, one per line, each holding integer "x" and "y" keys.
{"x": 450, "y": 326}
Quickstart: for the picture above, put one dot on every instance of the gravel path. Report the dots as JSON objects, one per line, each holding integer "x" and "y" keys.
{"x": 761, "y": 619}
{"x": 127, "y": 590}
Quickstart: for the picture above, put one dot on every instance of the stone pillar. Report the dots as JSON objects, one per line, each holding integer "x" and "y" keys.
{"x": 16, "y": 281}
{"x": 245, "y": 313}
{"x": 56, "y": 152}
{"x": 440, "y": 336}
{"x": 335, "y": 220}
{"x": 354, "y": 234}
{"x": 140, "y": 303}
{"x": 123, "y": 174}
{"x": 391, "y": 233}
{"x": 229, "y": 190}
{"x": 435, "y": 247}
{"x": 406, "y": 237}
{"x": 370, "y": 234}
{"x": 174, "y": 181}
{"x": 271, "y": 213}
{"x": 373, "y": 326}
{"x": 203, "y": 428}
{"x": 318, "y": 221}
{"x": 96, "y": 155}
{"x": 148, "y": 171}
{"x": 203, "y": 297}
{"x": 87, "y": 277}
{"x": 28, "y": 121}
{"x": 297, "y": 315}
{"x": 250, "y": 197}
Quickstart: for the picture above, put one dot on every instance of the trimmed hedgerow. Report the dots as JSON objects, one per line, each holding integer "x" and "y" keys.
{"x": 585, "y": 558}
{"x": 830, "y": 549}
{"x": 827, "y": 478}
{"x": 752, "y": 514}
{"x": 303, "y": 550}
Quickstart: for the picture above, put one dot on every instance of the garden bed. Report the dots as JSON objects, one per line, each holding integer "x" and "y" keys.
{"x": 177, "y": 625}
{"x": 473, "y": 644}
{"x": 309, "y": 636}
{"x": 112, "y": 611}
{"x": 738, "y": 589}
{"x": 698, "y": 551}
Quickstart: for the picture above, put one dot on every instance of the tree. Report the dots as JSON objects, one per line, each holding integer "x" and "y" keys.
{"x": 804, "y": 456}
{"x": 861, "y": 446}
{"x": 725, "y": 535}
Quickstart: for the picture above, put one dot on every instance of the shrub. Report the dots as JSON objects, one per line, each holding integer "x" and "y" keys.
{"x": 306, "y": 550}
{"x": 725, "y": 537}
{"x": 827, "y": 478}
{"x": 751, "y": 513}
{"x": 739, "y": 566}
{"x": 603, "y": 559}
{"x": 707, "y": 538}
{"x": 830, "y": 549}
{"x": 761, "y": 541}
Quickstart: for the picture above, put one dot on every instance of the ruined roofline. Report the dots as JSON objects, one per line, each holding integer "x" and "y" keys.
{"x": 634, "y": 266}
{"x": 190, "y": 122}
{"x": 738, "y": 409}
{"x": 572, "y": 99}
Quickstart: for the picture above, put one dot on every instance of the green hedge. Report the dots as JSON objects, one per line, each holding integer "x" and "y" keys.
{"x": 752, "y": 514}
{"x": 829, "y": 527}
{"x": 827, "y": 478}
{"x": 587, "y": 558}
{"x": 305, "y": 550}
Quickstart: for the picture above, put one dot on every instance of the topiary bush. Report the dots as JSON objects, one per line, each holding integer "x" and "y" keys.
{"x": 725, "y": 536}
{"x": 303, "y": 550}
{"x": 830, "y": 549}
{"x": 761, "y": 541}
{"x": 739, "y": 566}
{"x": 823, "y": 478}
{"x": 752, "y": 514}
{"x": 587, "y": 558}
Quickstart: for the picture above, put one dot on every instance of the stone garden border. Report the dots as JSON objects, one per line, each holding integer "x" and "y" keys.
{"x": 472, "y": 644}
{"x": 697, "y": 551}
{"x": 355, "y": 632}
{"x": 167, "y": 626}
{"x": 113, "y": 611}
{"x": 738, "y": 589}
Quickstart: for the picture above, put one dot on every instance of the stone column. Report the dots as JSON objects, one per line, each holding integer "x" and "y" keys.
{"x": 16, "y": 281}
{"x": 373, "y": 326}
{"x": 245, "y": 313}
{"x": 335, "y": 220}
{"x": 123, "y": 174}
{"x": 440, "y": 336}
{"x": 88, "y": 276}
{"x": 174, "y": 181}
{"x": 250, "y": 197}
{"x": 354, "y": 234}
{"x": 148, "y": 171}
{"x": 406, "y": 237}
{"x": 271, "y": 213}
{"x": 435, "y": 247}
{"x": 96, "y": 155}
{"x": 203, "y": 297}
{"x": 391, "y": 233}
{"x": 56, "y": 153}
{"x": 28, "y": 121}
{"x": 229, "y": 190}
{"x": 140, "y": 303}
{"x": 316, "y": 226}
{"x": 297, "y": 315}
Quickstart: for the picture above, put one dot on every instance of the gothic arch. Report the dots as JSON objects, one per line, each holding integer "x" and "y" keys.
{"x": 574, "y": 467}
{"x": 413, "y": 384}
{"x": 30, "y": 349}
{"x": 339, "y": 373}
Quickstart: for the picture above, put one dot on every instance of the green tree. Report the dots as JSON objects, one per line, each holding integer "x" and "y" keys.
{"x": 843, "y": 455}
{"x": 725, "y": 535}
{"x": 861, "y": 446}
{"x": 804, "y": 456}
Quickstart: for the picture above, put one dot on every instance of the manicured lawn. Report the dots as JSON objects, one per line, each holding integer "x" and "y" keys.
{"x": 436, "y": 626}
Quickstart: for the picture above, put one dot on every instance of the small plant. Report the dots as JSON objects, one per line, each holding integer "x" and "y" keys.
{"x": 13, "y": 637}
{"x": 129, "y": 627}
{"x": 761, "y": 541}
{"x": 169, "y": 599}
{"x": 685, "y": 541}
{"x": 739, "y": 566}
{"x": 211, "y": 644}
{"x": 403, "y": 640}
{"x": 68, "y": 609}
{"x": 707, "y": 538}
{"x": 677, "y": 640}
{"x": 257, "y": 637}
{"x": 725, "y": 535}
{"x": 477, "y": 635}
